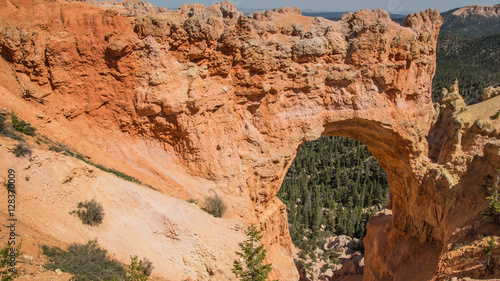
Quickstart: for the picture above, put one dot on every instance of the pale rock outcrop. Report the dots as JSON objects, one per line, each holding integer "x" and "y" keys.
{"x": 353, "y": 266}
{"x": 490, "y": 92}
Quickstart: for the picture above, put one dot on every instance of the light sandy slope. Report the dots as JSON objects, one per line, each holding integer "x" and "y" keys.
{"x": 149, "y": 161}
{"x": 182, "y": 241}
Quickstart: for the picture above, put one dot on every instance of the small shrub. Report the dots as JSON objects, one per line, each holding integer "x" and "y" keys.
{"x": 22, "y": 150}
{"x": 3, "y": 126}
{"x": 192, "y": 201}
{"x": 214, "y": 206}
{"x": 303, "y": 255}
{"x": 5, "y": 264}
{"x": 488, "y": 250}
{"x": 55, "y": 148}
{"x": 7, "y": 130}
{"x": 90, "y": 212}
{"x": 84, "y": 261}
{"x": 13, "y": 135}
{"x": 22, "y": 126}
{"x": 69, "y": 153}
{"x": 332, "y": 256}
{"x": 147, "y": 266}
{"x": 139, "y": 270}
{"x": 324, "y": 268}
{"x": 313, "y": 257}
{"x": 496, "y": 116}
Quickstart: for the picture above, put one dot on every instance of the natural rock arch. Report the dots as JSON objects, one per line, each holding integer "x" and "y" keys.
{"x": 233, "y": 98}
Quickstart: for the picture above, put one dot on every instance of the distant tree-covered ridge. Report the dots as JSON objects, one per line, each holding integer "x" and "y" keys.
{"x": 471, "y": 21}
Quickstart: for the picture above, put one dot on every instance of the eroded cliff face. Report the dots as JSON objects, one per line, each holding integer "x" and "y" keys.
{"x": 233, "y": 98}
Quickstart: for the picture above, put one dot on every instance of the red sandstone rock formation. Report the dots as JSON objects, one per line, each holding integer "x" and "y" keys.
{"x": 234, "y": 97}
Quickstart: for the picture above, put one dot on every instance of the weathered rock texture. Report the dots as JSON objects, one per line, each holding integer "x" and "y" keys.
{"x": 234, "y": 97}
{"x": 490, "y": 92}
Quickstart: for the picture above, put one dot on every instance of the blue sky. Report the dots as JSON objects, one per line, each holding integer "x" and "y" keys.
{"x": 393, "y": 6}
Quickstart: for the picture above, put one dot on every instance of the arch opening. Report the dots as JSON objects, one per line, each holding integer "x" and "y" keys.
{"x": 331, "y": 190}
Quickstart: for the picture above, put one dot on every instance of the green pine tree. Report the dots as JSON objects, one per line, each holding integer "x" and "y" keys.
{"x": 253, "y": 255}
{"x": 494, "y": 200}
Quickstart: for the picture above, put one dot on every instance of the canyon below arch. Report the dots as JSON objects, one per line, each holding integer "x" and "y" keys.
{"x": 205, "y": 99}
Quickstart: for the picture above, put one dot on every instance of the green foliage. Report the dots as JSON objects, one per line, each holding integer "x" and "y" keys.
{"x": 57, "y": 147}
{"x": 22, "y": 126}
{"x": 3, "y": 125}
{"x": 488, "y": 250}
{"x": 253, "y": 255}
{"x": 113, "y": 171}
{"x": 139, "y": 270}
{"x": 496, "y": 116}
{"x": 5, "y": 264}
{"x": 494, "y": 201}
{"x": 474, "y": 62}
{"x": 214, "y": 205}
{"x": 22, "y": 150}
{"x": 330, "y": 189}
{"x": 146, "y": 266}
{"x": 90, "y": 212}
{"x": 7, "y": 130}
{"x": 332, "y": 256}
{"x": 324, "y": 268}
{"x": 87, "y": 262}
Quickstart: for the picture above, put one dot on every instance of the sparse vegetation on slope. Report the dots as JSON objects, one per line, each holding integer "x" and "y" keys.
{"x": 490, "y": 261}
{"x": 3, "y": 126}
{"x": 59, "y": 147}
{"x": 496, "y": 116}
{"x": 21, "y": 150}
{"x": 90, "y": 212}
{"x": 214, "y": 205}
{"x": 7, "y": 130}
{"x": 21, "y": 125}
{"x": 139, "y": 270}
{"x": 7, "y": 271}
{"x": 86, "y": 262}
{"x": 108, "y": 170}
